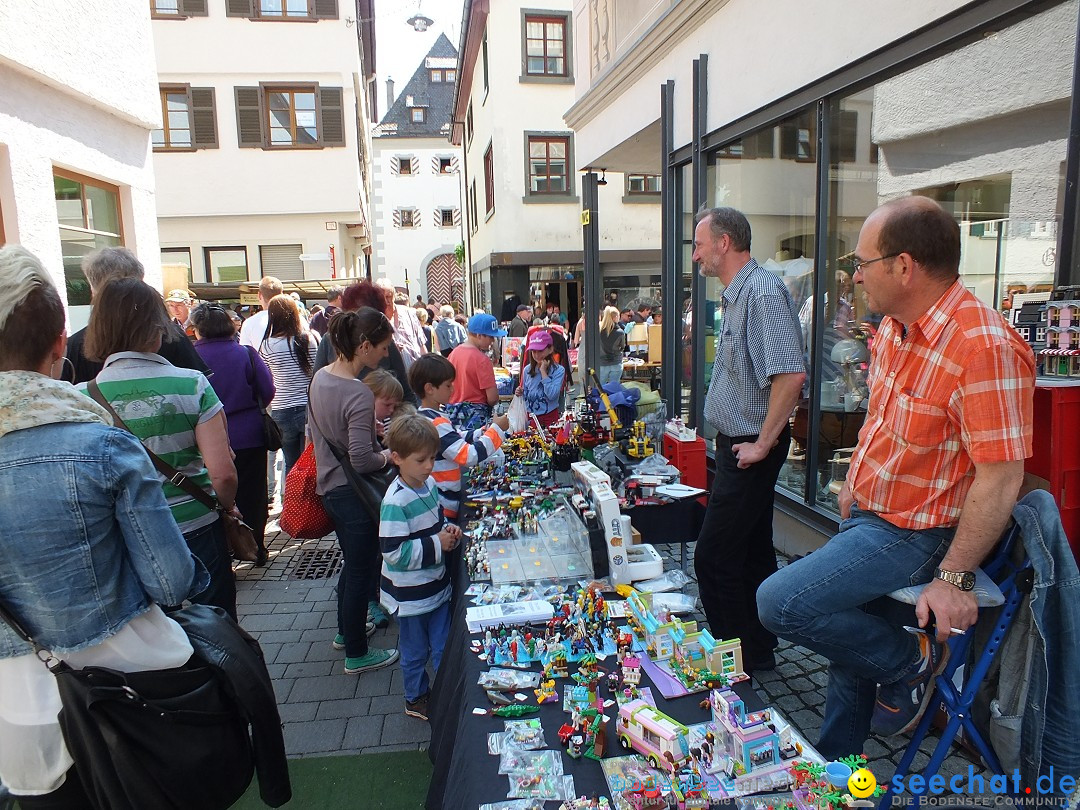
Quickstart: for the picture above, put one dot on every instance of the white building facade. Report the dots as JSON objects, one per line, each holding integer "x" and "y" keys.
{"x": 76, "y": 111}
{"x": 521, "y": 181}
{"x": 416, "y": 184}
{"x": 263, "y": 159}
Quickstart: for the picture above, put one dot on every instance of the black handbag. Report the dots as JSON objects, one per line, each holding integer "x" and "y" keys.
{"x": 369, "y": 487}
{"x": 271, "y": 430}
{"x": 169, "y": 738}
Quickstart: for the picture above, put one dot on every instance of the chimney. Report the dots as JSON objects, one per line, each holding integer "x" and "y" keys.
{"x": 389, "y": 94}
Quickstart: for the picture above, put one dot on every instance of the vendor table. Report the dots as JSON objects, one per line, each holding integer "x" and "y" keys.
{"x": 465, "y": 775}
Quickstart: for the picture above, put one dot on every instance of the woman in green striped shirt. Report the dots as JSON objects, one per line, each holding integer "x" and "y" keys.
{"x": 176, "y": 414}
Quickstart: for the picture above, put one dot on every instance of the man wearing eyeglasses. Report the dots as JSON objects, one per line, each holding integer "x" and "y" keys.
{"x": 931, "y": 486}
{"x": 757, "y": 380}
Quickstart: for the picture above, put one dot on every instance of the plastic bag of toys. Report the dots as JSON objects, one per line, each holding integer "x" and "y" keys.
{"x": 671, "y": 581}
{"x": 521, "y": 735}
{"x": 508, "y": 680}
{"x": 539, "y": 762}
{"x": 539, "y": 786}
{"x": 515, "y": 804}
{"x": 673, "y": 603}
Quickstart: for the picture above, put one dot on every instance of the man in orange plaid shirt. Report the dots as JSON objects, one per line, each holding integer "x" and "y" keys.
{"x": 932, "y": 484}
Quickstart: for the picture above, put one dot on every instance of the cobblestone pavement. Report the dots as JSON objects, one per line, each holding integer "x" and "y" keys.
{"x": 326, "y": 711}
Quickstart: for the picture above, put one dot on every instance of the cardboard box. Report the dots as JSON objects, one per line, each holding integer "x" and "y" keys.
{"x": 635, "y": 536}
{"x": 655, "y": 335}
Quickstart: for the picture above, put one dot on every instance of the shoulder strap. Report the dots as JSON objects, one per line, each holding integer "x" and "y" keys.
{"x": 172, "y": 475}
{"x": 255, "y": 378}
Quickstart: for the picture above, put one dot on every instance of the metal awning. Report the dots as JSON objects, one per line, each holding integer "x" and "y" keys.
{"x": 307, "y": 288}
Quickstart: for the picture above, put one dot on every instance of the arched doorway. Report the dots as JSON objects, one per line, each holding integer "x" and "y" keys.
{"x": 444, "y": 279}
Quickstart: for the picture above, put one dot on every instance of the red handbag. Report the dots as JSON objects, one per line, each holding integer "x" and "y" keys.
{"x": 302, "y": 514}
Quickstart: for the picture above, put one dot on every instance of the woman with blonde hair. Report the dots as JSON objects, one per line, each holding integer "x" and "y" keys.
{"x": 612, "y": 343}
{"x": 289, "y": 350}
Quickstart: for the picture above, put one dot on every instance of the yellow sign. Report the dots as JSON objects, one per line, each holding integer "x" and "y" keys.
{"x": 249, "y": 299}
{"x": 585, "y": 216}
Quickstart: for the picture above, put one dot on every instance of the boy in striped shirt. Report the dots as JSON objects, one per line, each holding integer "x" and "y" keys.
{"x": 414, "y": 537}
{"x": 431, "y": 378}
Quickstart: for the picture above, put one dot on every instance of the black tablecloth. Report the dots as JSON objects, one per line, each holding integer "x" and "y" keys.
{"x": 675, "y": 522}
{"x": 465, "y": 775}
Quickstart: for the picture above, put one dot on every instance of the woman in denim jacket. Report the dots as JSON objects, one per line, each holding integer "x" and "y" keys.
{"x": 89, "y": 546}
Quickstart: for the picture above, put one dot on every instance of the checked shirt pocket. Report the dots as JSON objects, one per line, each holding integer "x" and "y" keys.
{"x": 920, "y": 422}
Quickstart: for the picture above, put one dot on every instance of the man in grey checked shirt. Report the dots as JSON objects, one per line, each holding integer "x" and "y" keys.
{"x": 756, "y": 382}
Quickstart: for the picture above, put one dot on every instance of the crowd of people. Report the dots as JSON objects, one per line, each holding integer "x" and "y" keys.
{"x": 375, "y": 384}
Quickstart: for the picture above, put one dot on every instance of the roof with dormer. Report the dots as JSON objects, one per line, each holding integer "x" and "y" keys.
{"x": 435, "y": 98}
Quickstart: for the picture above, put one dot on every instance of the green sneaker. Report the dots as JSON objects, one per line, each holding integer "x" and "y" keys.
{"x": 339, "y": 640}
{"x": 378, "y": 614}
{"x": 375, "y": 659}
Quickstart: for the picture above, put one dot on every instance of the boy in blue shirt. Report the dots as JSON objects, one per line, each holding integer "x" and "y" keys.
{"x": 414, "y": 537}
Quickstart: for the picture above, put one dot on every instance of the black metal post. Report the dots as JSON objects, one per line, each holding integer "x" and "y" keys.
{"x": 594, "y": 282}
{"x": 671, "y": 370}
{"x": 826, "y": 202}
{"x": 697, "y": 286}
{"x": 1068, "y": 271}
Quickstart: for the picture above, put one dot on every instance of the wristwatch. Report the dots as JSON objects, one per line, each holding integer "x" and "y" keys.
{"x": 964, "y": 580}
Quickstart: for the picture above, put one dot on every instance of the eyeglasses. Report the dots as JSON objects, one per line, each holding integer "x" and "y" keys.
{"x": 859, "y": 264}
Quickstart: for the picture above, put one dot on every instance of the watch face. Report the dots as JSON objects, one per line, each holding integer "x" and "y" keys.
{"x": 967, "y": 580}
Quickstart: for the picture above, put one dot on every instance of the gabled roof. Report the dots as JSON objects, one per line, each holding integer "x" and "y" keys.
{"x": 436, "y": 98}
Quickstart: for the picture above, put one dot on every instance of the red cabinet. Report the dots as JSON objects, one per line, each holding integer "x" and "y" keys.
{"x": 1056, "y": 451}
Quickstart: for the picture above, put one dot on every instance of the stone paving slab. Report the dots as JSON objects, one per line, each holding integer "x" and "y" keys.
{"x": 328, "y": 712}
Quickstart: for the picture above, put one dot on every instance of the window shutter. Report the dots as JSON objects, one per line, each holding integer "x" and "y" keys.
{"x": 332, "y": 129}
{"x": 397, "y": 217}
{"x": 249, "y": 117}
{"x": 193, "y": 8}
{"x": 395, "y": 162}
{"x": 416, "y": 217}
{"x": 438, "y": 217}
{"x": 324, "y": 9}
{"x": 435, "y": 165}
{"x": 282, "y": 261}
{"x": 454, "y": 165}
{"x": 203, "y": 119}
{"x": 239, "y": 8}
{"x": 457, "y": 217}
{"x": 415, "y": 165}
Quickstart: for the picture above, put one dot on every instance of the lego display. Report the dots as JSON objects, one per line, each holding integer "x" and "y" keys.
{"x": 526, "y": 735}
{"x": 663, "y": 742}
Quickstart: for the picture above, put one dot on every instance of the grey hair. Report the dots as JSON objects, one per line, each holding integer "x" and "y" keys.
{"x": 727, "y": 221}
{"x": 446, "y": 311}
{"x": 20, "y": 273}
{"x": 110, "y": 264}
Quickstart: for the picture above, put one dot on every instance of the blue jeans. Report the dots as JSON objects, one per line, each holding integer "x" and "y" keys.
{"x": 819, "y": 602}
{"x": 358, "y": 538}
{"x": 208, "y": 544}
{"x": 292, "y": 422}
{"x": 418, "y": 637}
{"x": 609, "y": 374}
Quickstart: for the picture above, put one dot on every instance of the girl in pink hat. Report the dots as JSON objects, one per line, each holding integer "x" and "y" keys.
{"x": 542, "y": 379}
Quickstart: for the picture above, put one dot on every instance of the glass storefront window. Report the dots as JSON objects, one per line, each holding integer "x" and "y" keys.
{"x": 775, "y": 187}
{"x": 685, "y": 273}
{"x": 995, "y": 161}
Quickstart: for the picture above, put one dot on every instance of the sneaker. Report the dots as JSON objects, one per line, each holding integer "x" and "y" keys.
{"x": 339, "y": 640}
{"x": 417, "y": 708}
{"x": 378, "y": 614}
{"x": 375, "y": 659}
{"x": 901, "y": 705}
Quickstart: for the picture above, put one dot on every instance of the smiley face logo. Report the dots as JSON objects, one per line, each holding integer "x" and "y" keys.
{"x": 861, "y": 783}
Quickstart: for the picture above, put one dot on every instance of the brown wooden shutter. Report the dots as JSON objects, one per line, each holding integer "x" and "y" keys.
{"x": 239, "y": 8}
{"x": 249, "y": 117}
{"x": 324, "y": 9}
{"x": 438, "y": 217}
{"x": 332, "y": 125}
{"x": 203, "y": 118}
{"x": 193, "y": 8}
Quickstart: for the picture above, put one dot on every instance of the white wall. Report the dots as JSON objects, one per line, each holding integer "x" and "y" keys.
{"x": 513, "y": 108}
{"x": 753, "y": 60}
{"x": 395, "y": 249}
{"x": 77, "y": 92}
{"x": 256, "y": 196}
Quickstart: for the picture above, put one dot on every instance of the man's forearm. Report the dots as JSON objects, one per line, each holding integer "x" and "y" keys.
{"x": 986, "y": 511}
{"x": 785, "y": 392}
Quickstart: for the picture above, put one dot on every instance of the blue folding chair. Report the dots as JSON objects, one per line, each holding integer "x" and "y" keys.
{"x": 1000, "y": 583}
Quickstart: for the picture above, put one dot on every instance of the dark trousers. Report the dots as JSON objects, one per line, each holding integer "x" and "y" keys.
{"x": 208, "y": 544}
{"x": 358, "y": 538}
{"x": 734, "y": 550}
{"x": 69, "y": 796}
{"x": 251, "y": 490}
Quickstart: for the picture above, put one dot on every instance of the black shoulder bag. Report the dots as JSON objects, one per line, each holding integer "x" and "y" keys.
{"x": 369, "y": 487}
{"x": 167, "y": 738}
{"x": 238, "y": 535}
{"x": 271, "y": 431}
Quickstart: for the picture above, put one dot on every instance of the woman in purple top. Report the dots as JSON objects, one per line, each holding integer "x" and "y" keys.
{"x": 241, "y": 380}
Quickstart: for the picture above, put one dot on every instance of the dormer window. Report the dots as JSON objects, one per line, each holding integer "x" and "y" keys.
{"x": 418, "y": 115}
